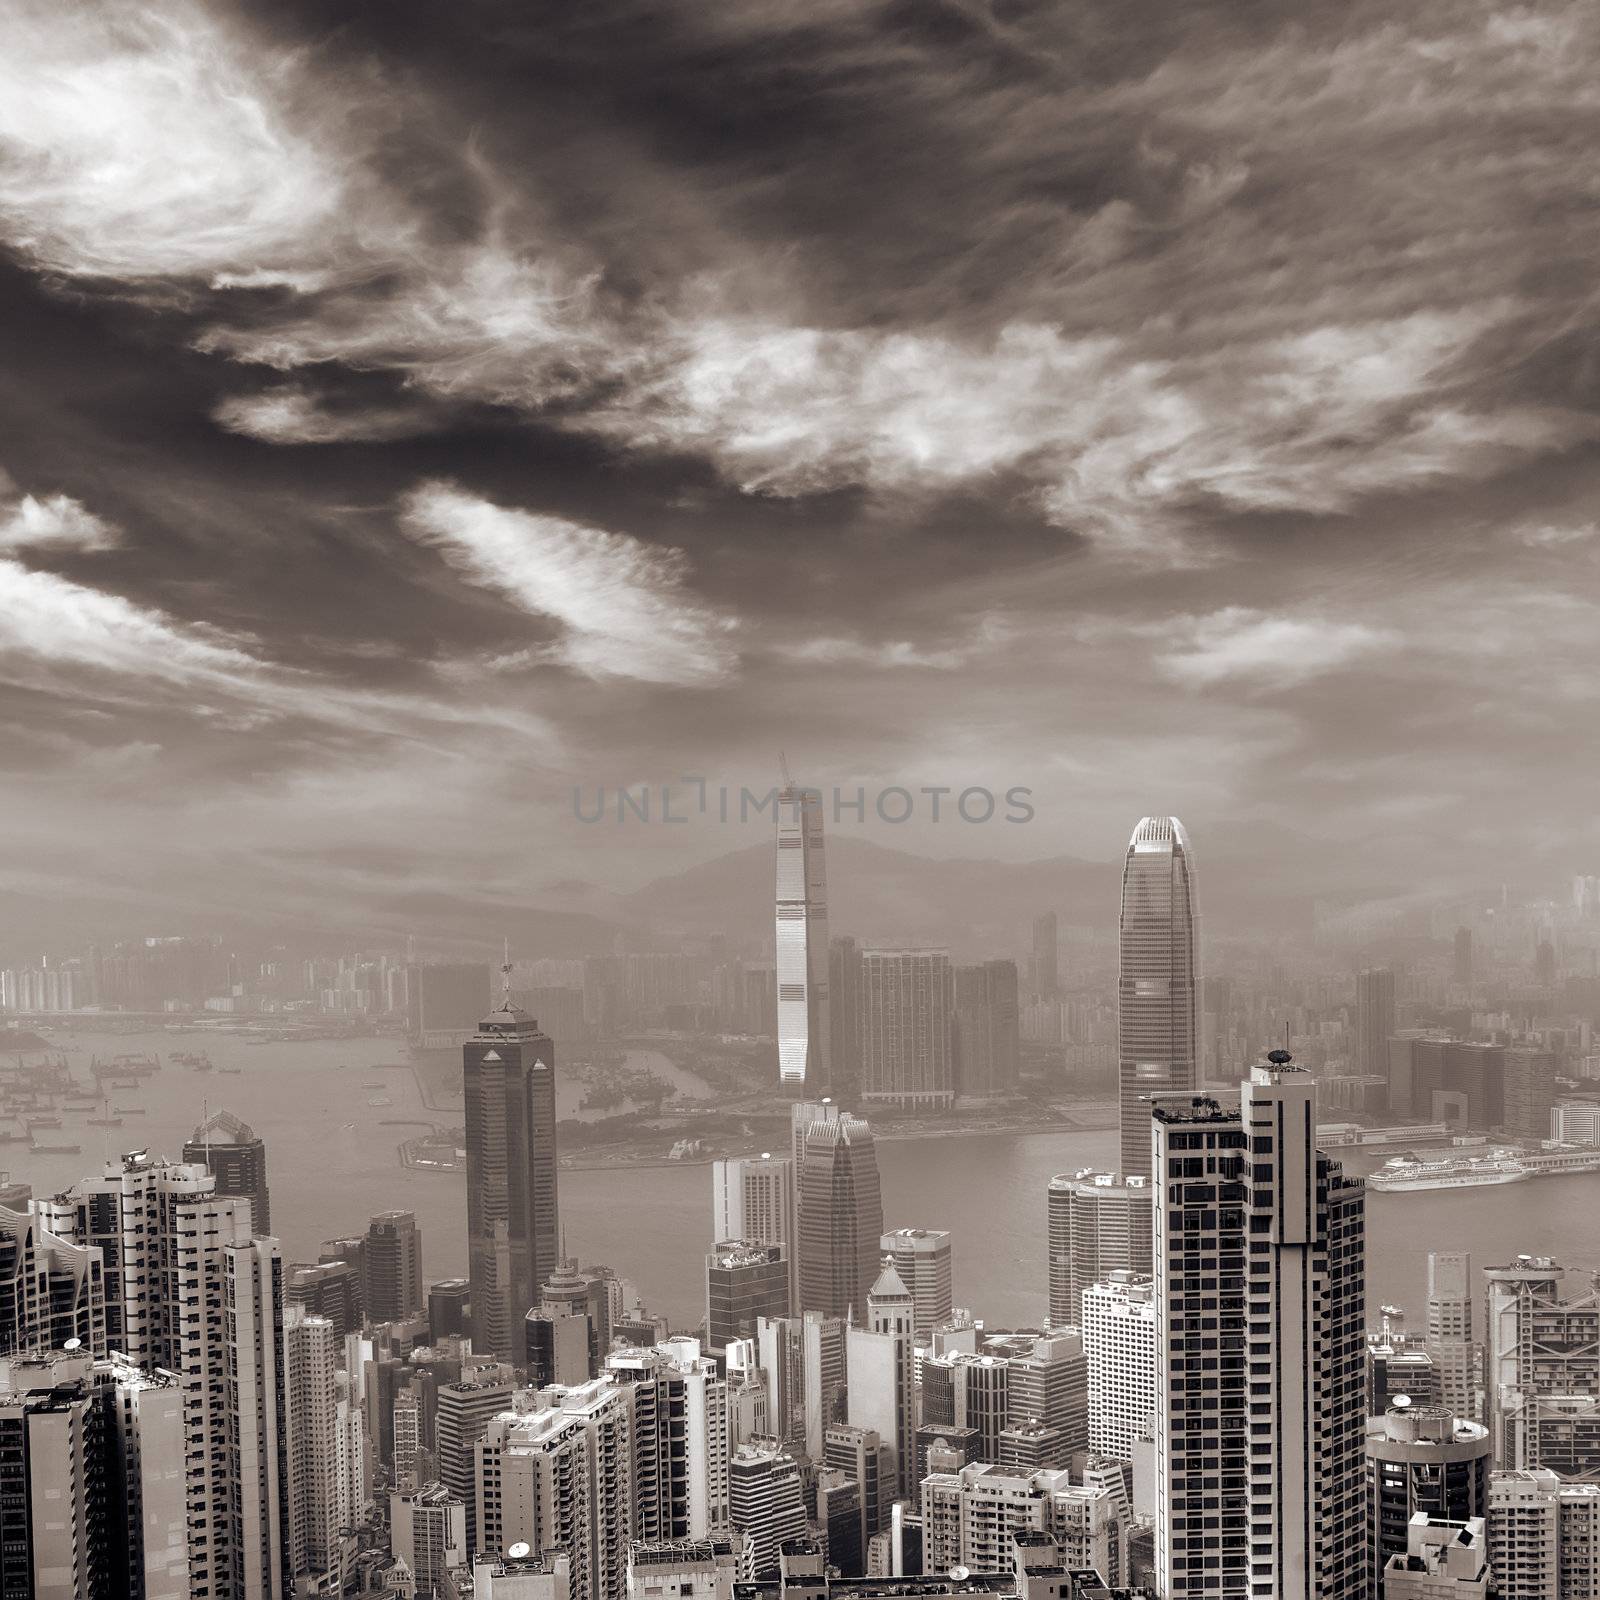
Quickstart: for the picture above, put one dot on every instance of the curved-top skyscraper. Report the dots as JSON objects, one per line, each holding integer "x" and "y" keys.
{"x": 1158, "y": 987}
{"x": 802, "y": 939}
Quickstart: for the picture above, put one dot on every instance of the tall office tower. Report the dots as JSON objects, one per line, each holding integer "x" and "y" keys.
{"x": 1450, "y": 1336}
{"x": 1544, "y": 1367}
{"x": 1544, "y": 1536}
{"x": 838, "y": 1210}
{"x": 1045, "y": 967}
{"x": 1122, "y": 1340}
{"x": 1420, "y": 1459}
{"x": 560, "y": 1477}
{"x": 556, "y": 1347}
{"x": 804, "y": 1027}
{"x": 844, "y": 1014}
{"x": 682, "y": 1438}
{"x": 907, "y": 1025}
{"x": 802, "y": 1360}
{"x": 987, "y": 1060}
{"x": 409, "y": 1436}
{"x": 1158, "y": 1023}
{"x": 513, "y": 1225}
{"x": 51, "y": 1290}
{"x": 1528, "y": 1092}
{"x": 1461, "y": 967}
{"x": 1439, "y": 1560}
{"x": 744, "y": 1282}
{"x": 1398, "y": 1368}
{"x": 969, "y": 1518}
{"x": 583, "y": 1293}
{"x": 1097, "y": 1226}
{"x": 881, "y": 1386}
{"x": 862, "y": 1457}
{"x": 449, "y": 1301}
{"x": 444, "y": 1000}
{"x": 1260, "y": 1415}
{"x": 766, "y": 1503}
{"x": 326, "y": 1449}
{"x": 148, "y": 1540}
{"x": 677, "y": 1569}
{"x": 921, "y": 1256}
{"x": 170, "y": 1242}
{"x": 1375, "y": 1020}
{"x": 752, "y": 1197}
{"x": 969, "y": 1391}
{"x": 232, "y": 1152}
{"x": 1048, "y": 1385}
{"x": 328, "y": 1289}
{"x": 394, "y": 1286}
{"x": 428, "y": 1531}
{"x": 353, "y": 1253}
{"x": 462, "y": 1411}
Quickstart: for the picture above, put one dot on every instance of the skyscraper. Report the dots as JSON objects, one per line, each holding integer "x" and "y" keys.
{"x": 745, "y": 1280}
{"x": 235, "y": 1156}
{"x": 881, "y": 1371}
{"x": 907, "y": 1027}
{"x": 1097, "y": 1226}
{"x": 1260, "y": 1416}
{"x": 1544, "y": 1536}
{"x": 804, "y": 1031}
{"x": 839, "y": 1210}
{"x": 513, "y": 1227}
{"x": 1374, "y": 1019}
{"x": 1158, "y": 1024}
{"x": 752, "y": 1197}
{"x": 1456, "y": 1352}
{"x": 393, "y": 1259}
{"x": 1544, "y": 1367}
{"x": 1121, "y": 1339}
{"x": 921, "y": 1256}
{"x": 986, "y": 1041}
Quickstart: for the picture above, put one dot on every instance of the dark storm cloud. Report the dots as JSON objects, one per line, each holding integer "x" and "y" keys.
{"x": 1184, "y": 408}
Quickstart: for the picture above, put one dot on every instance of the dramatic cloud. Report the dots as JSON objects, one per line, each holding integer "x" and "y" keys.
{"x": 623, "y": 607}
{"x": 1273, "y": 652}
{"x": 56, "y": 522}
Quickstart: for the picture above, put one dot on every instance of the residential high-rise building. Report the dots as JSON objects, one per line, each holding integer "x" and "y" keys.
{"x": 839, "y": 1210}
{"x": 1375, "y": 1019}
{"x": 1544, "y": 1367}
{"x": 428, "y": 1531}
{"x": 513, "y": 1224}
{"x": 51, "y": 1290}
{"x": 986, "y": 1047}
{"x": 804, "y": 1028}
{"x": 752, "y": 1197}
{"x": 1121, "y": 1340}
{"x": 744, "y": 1282}
{"x": 844, "y": 1015}
{"x": 682, "y": 1438}
{"x": 172, "y": 1245}
{"x": 1045, "y": 967}
{"x": 1421, "y": 1460}
{"x": 1450, "y": 1335}
{"x": 1544, "y": 1536}
{"x": 232, "y": 1152}
{"x": 326, "y": 1451}
{"x": 1260, "y": 1416}
{"x": 802, "y": 1360}
{"x": 560, "y": 1477}
{"x": 1441, "y": 1560}
{"x": 907, "y": 1029}
{"x": 1158, "y": 987}
{"x": 921, "y": 1257}
{"x": 144, "y": 1434}
{"x": 1098, "y": 1225}
{"x": 970, "y": 1518}
{"x": 766, "y": 1503}
{"x": 394, "y": 1285}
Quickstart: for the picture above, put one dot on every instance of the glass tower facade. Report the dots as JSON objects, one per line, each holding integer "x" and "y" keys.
{"x": 1158, "y": 988}
{"x": 802, "y": 940}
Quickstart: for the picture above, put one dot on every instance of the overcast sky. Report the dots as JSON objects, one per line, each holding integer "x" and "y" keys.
{"x": 410, "y": 412}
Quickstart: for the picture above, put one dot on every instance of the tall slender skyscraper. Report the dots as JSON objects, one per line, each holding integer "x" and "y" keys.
{"x": 1260, "y": 1410}
{"x": 802, "y": 940}
{"x": 234, "y": 1155}
{"x": 839, "y": 1210}
{"x": 513, "y": 1226}
{"x": 1158, "y": 990}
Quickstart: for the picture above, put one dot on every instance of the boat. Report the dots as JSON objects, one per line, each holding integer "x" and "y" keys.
{"x": 232, "y": 1072}
{"x": 43, "y": 1122}
{"x": 56, "y": 1150}
{"x": 130, "y": 1111}
{"x": 105, "y": 1122}
{"x": 1409, "y": 1173}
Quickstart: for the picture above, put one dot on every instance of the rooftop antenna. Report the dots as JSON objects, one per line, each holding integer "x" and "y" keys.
{"x": 783, "y": 767}
{"x": 505, "y": 978}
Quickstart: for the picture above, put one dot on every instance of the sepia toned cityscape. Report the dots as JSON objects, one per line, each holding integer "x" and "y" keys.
{"x": 798, "y": 800}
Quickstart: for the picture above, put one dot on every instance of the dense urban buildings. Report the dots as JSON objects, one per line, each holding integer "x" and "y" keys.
{"x": 513, "y": 1222}
{"x": 801, "y": 941}
{"x": 1158, "y": 983}
{"x": 1097, "y": 1224}
{"x": 907, "y": 1005}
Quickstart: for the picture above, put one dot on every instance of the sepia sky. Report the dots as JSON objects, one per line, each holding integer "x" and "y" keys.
{"x": 408, "y": 413}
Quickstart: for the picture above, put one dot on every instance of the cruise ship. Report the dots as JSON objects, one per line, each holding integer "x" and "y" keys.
{"x": 1404, "y": 1173}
